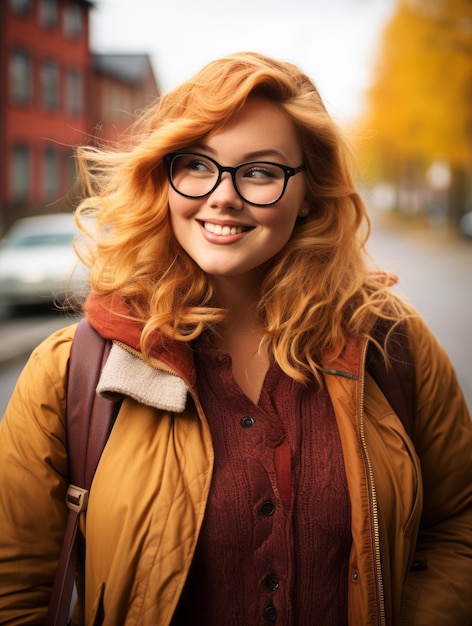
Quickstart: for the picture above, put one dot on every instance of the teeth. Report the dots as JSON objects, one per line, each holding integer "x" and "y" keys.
{"x": 217, "y": 229}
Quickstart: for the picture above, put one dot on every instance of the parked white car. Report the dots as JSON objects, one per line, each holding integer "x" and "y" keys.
{"x": 465, "y": 225}
{"x": 38, "y": 263}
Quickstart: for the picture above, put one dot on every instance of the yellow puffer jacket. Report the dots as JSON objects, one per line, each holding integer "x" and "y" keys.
{"x": 411, "y": 498}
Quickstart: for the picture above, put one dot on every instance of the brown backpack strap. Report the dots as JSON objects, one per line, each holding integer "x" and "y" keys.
{"x": 397, "y": 379}
{"x": 89, "y": 421}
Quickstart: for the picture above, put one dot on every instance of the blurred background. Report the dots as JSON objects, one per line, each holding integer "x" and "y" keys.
{"x": 395, "y": 74}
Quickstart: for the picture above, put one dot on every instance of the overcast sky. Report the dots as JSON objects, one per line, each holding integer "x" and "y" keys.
{"x": 333, "y": 41}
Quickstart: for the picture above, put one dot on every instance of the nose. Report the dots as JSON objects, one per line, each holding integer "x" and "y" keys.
{"x": 225, "y": 195}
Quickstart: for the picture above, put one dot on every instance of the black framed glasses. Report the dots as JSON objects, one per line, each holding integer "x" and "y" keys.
{"x": 195, "y": 175}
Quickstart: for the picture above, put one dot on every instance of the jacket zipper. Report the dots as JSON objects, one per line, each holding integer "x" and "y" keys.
{"x": 373, "y": 495}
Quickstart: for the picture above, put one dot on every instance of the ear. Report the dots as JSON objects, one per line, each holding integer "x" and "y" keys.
{"x": 304, "y": 208}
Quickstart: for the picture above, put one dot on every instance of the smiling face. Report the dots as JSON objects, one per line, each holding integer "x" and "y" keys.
{"x": 226, "y": 236}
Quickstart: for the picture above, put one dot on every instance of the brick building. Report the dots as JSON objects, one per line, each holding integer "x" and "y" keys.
{"x": 122, "y": 84}
{"x": 55, "y": 93}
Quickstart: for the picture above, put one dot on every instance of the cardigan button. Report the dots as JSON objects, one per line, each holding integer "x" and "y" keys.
{"x": 355, "y": 575}
{"x": 271, "y": 582}
{"x": 247, "y": 422}
{"x": 270, "y": 613}
{"x": 268, "y": 508}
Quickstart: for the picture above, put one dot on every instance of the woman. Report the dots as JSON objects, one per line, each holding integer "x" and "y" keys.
{"x": 256, "y": 472}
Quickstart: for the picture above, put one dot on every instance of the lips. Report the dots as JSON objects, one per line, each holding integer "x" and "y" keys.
{"x": 224, "y": 230}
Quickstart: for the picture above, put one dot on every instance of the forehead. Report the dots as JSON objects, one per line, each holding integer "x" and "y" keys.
{"x": 261, "y": 125}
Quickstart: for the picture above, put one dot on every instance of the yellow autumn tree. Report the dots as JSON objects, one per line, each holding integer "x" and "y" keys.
{"x": 419, "y": 105}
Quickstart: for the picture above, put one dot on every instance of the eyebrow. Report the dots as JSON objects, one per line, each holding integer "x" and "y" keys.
{"x": 255, "y": 154}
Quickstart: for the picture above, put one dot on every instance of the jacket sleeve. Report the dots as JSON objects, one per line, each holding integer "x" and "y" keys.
{"x": 33, "y": 482}
{"x": 439, "y": 586}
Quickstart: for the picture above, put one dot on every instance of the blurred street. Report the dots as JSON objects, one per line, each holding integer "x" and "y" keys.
{"x": 434, "y": 269}
{"x": 435, "y": 274}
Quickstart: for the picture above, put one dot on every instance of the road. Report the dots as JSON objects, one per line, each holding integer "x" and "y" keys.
{"x": 435, "y": 274}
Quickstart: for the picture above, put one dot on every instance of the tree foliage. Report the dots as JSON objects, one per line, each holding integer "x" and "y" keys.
{"x": 419, "y": 106}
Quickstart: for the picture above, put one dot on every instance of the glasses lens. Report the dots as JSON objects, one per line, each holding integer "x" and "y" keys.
{"x": 260, "y": 183}
{"x": 193, "y": 175}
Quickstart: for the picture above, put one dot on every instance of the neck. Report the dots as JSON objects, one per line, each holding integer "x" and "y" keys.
{"x": 240, "y": 334}
{"x": 238, "y": 296}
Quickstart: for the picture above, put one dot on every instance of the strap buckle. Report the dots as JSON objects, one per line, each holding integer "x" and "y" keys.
{"x": 77, "y": 498}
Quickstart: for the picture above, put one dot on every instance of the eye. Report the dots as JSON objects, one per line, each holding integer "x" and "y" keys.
{"x": 195, "y": 164}
{"x": 262, "y": 172}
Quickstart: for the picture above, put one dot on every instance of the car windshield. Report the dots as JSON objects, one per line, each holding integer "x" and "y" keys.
{"x": 36, "y": 240}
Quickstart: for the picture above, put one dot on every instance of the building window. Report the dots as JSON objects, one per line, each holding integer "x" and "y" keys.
{"x": 74, "y": 92}
{"x": 48, "y": 13}
{"x": 49, "y": 85}
{"x": 50, "y": 174}
{"x": 20, "y": 173}
{"x": 21, "y": 7}
{"x": 72, "y": 20}
{"x": 20, "y": 77}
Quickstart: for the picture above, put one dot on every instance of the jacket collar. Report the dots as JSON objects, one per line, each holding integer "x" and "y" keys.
{"x": 349, "y": 363}
{"x": 165, "y": 382}
{"x": 153, "y": 384}
{"x": 126, "y": 374}
{"x": 111, "y": 318}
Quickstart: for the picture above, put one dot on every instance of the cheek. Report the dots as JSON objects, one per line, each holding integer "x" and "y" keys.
{"x": 281, "y": 221}
{"x": 176, "y": 208}
{"x": 180, "y": 208}
{"x": 173, "y": 219}
{"x": 178, "y": 219}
